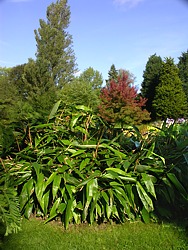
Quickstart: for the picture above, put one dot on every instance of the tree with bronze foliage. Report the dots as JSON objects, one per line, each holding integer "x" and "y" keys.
{"x": 120, "y": 103}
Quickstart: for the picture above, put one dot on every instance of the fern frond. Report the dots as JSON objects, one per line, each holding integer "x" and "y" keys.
{"x": 9, "y": 210}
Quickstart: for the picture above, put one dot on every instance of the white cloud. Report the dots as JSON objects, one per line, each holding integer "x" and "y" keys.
{"x": 129, "y": 3}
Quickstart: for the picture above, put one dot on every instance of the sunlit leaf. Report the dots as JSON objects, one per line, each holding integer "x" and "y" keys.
{"x": 68, "y": 212}
{"x": 56, "y": 185}
{"x": 146, "y": 200}
{"x": 54, "y": 110}
{"x": 149, "y": 184}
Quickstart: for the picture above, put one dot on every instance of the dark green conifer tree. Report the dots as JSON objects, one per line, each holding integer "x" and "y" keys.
{"x": 151, "y": 81}
{"x": 183, "y": 71}
{"x": 170, "y": 99}
{"x": 112, "y": 74}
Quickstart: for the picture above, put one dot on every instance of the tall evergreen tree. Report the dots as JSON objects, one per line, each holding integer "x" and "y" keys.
{"x": 54, "y": 44}
{"x": 151, "y": 81}
{"x": 170, "y": 99}
{"x": 183, "y": 71}
{"x": 112, "y": 74}
{"x": 55, "y": 64}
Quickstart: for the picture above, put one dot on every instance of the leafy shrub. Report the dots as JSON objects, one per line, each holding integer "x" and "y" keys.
{"x": 77, "y": 169}
{"x": 171, "y": 143}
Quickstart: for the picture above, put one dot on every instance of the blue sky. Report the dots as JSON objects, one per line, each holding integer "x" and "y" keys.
{"x": 105, "y": 32}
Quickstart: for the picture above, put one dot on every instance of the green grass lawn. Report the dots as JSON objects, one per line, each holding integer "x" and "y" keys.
{"x": 37, "y": 236}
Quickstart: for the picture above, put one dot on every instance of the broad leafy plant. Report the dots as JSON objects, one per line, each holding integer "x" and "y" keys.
{"x": 72, "y": 169}
{"x": 76, "y": 168}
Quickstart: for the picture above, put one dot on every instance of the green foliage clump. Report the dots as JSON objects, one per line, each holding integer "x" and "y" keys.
{"x": 171, "y": 143}
{"x": 83, "y": 90}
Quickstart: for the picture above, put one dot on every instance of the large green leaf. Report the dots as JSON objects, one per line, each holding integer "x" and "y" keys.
{"x": 116, "y": 170}
{"x": 105, "y": 196}
{"x": 54, "y": 110}
{"x": 68, "y": 212}
{"x": 178, "y": 185}
{"x": 84, "y": 163}
{"x": 92, "y": 187}
{"x": 93, "y": 206}
{"x": 146, "y": 200}
{"x": 53, "y": 211}
{"x": 150, "y": 150}
{"x": 69, "y": 190}
{"x": 37, "y": 168}
{"x": 28, "y": 210}
{"x": 78, "y": 152}
{"x": 145, "y": 215}
{"x": 120, "y": 174}
{"x": 121, "y": 155}
{"x": 108, "y": 210}
{"x": 91, "y": 190}
{"x": 40, "y": 187}
{"x": 130, "y": 195}
{"x": 74, "y": 120}
{"x": 97, "y": 173}
{"x": 56, "y": 185}
{"x": 82, "y": 107}
{"x": 124, "y": 201}
{"x": 45, "y": 202}
{"x": 61, "y": 208}
{"x": 142, "y": 168}
{"x": 51, "y": 178}
{"x": 27, "y": 191}
{"x": 149, "y": 184}
{"x": 69, "y": 179}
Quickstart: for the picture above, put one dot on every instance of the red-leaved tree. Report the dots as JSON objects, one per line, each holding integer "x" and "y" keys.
{"x": 120, "y": 102}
